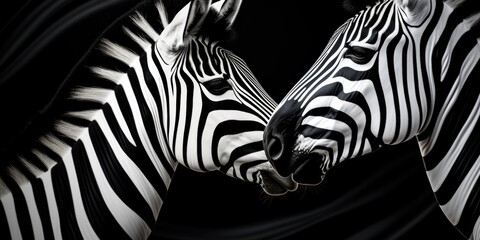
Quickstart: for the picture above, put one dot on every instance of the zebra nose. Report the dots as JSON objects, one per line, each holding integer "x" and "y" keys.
{"x": 278, "y": 154}
{"x": 279, "y": 137}
{"x": 275, "y": 148}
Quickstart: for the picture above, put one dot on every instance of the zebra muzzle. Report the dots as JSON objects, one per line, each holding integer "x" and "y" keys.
{"x": 274, "y": 184}
{"x": 309, "y": 169}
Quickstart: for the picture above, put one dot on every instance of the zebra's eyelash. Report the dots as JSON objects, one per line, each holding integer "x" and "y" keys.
{"x": 218, "y": 86}
{"x": 358, "y": 54}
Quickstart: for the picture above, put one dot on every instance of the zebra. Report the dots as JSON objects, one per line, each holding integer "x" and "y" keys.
{"x": 109, "y": 143}
{"x": 396, "y": 70}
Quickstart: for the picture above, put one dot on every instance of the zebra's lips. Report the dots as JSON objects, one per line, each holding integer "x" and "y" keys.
{"x": 309, "y": 168}
{"x": 274, "y": 184}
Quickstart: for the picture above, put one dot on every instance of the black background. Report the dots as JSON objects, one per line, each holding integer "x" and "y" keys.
{"x": 384, "y": 195}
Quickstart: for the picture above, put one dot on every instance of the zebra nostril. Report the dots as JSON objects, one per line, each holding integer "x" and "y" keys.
{"x": 275, "y": 148}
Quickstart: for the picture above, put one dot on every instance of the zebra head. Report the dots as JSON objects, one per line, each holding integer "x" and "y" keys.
{"x": 372, "y": 85}
{"x": 218, "y": 110}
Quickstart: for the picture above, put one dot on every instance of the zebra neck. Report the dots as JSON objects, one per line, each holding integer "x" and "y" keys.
{"x": 451, "y": 156}
{"x": 449, "y": 143}
{"x": 452, "y": 68}
{"x": 101, "y": 167}
{"x": 82, "y": 180}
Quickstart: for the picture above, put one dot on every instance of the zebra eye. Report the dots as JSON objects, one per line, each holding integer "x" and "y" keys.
{"x": 358, "y": 54}
{"x": 218, "y": 86}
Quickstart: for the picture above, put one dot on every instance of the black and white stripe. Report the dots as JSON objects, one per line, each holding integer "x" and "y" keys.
{"x": 158, "y": 96}
{"x": 394, "y": 71}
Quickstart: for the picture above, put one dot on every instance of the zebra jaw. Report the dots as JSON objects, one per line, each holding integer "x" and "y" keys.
{"x": 274, "y": 184}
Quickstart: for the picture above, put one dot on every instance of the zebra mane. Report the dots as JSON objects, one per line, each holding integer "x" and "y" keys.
{"x": 116, "y": 51}
{"x": 85, "y": 90}
{"x": 49, "y": 135}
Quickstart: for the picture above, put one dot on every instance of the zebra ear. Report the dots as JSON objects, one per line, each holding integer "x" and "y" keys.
{"x": 228, "y": 10}
{"x": 186, "y": 23}
{"x": 196, "y": 15}
{"x": 414, "y": 12}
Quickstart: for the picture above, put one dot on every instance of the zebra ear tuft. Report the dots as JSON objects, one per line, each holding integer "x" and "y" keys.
{"x": 185, "y": 23}
{"x": 414, "y": 12}
{"x": 228, "y": 10}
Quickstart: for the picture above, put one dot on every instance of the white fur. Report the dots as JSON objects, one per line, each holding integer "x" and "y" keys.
{"x": 118, "y": 52}
{"x": 162, "y": 12}
{"x": 92, "y": 94}
{"x": 414, "y": 11}
{"x": 54, "y": 143}
{"x": 454, "y": 3}
{"x": 144, "y": 44}
{"x": 142, "y": 23}
{"x": 111, "y": 75}
{"x": 85, "y": 115}
{"x": 69, "y": 130}
{"x": 473, "y": 20}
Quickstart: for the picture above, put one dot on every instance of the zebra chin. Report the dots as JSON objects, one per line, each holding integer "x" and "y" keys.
{"x": 273, "y": 184}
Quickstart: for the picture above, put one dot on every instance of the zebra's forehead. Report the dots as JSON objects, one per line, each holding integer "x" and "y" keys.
{"x": 368, "y": 23}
